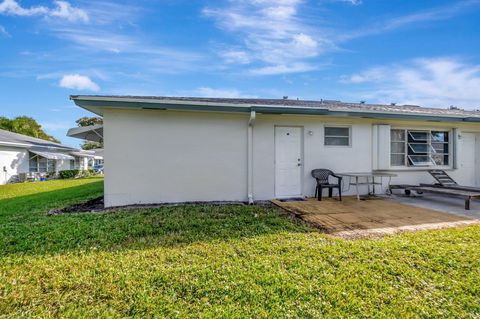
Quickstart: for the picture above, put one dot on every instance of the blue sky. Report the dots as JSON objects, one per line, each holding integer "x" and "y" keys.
{"x": 410, "y": 52}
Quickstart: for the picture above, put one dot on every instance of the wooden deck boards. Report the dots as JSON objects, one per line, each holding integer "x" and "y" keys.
{"x": 333, "y": 216}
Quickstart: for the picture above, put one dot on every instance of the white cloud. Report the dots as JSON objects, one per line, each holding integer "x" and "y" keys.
{"x": 433, "y": 14}
{"x": 370, "y": 75}
{"x": 61, "y": 10}
{"x": 437, "y": 82}
{"x": 78, "y": 82}
{"x": 118, "y": 13}
{"x": 112, "y": 44}
{"x": 283, "y": 69}
{"x": 56, "y": 126}
{"x": 305, "y": 45}
{"x": 98, "y": 41}
{"x": 66, "y": 11}
{"x": 236, "y": 56}
{"x": 127, "y": 49}
{"x": 225, "y": 93}
{"x": 354, "y": 2}
{"x": 11, "y": 7}
{"x": 270, "y": 33}
{"x": 4, "y": 32}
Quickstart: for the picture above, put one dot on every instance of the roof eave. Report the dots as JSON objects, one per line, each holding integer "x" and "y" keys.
{"x": 472, "y": 119}
{"x": 29, "y": 146}
{"x": 92, "y": 133}
{"x": 96, "y": 104}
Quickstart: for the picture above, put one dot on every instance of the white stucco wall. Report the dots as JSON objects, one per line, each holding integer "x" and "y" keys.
{"x": 84, "y": 163}
{"x": 358, "y": 157}
{"x": 62, "y": 165}
{"x": 316, "y": 154}
{"x": 162, "y": 156}
{"x": 15, "y": 160}
{"x": 166, "y": 156}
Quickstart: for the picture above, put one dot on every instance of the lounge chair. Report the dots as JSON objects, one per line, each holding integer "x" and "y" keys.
{"x": 442, "y": 177}
{"x": 445, "y": 186}
{"x": 446, "y": 182}
{"x": 322, "y": 176}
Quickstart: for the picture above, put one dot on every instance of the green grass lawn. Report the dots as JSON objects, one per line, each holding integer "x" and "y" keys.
{"x": 218, "y": 261}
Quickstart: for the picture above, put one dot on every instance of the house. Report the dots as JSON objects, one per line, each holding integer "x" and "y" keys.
{"x": 93, "y": 133}
{"x": 90, "y": 158}
{"x": 22, "y": 155}
{"x": 97, "y": 157}
{"x": 216, "y": 149}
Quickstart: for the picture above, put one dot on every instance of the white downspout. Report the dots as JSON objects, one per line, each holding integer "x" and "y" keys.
{"x": 251, "y": 121}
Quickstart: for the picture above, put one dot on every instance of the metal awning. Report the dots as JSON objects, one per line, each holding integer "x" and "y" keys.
{"x": 93, "y": 133}
{"x": 53, "y": 156}
{"x": 82, "y": 154}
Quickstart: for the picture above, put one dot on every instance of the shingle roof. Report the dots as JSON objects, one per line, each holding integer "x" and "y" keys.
{"x": 331, "y": 105}
{"x": 20, "y": 139}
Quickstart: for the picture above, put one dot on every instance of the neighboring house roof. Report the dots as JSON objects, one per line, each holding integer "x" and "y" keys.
{"x": 98, "y": 153}
{"x": 83, "y": 154}
{"x": 53, "y": 155}
{"x": 97, "y": 104}
{"x": 92, "y": 133}
{"x": 20, "y": 140}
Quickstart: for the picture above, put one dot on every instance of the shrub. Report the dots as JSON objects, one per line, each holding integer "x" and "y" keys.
{"x": 69, "y": 173}
{"x": 87, "y": 173}
{"x": 73, "y": 173}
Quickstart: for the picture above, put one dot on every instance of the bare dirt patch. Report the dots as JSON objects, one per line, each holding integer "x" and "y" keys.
{"x": 93, "y": 205}
{"x": 97, "y": 205}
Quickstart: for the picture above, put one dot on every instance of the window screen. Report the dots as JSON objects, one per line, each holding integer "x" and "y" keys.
{"x": 419, "y": 148}
{"x": 337, "y": 136}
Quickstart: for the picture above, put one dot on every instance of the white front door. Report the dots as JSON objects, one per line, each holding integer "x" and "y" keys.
{"x": 468, "y": 163}
{"x": 288, "y": 162}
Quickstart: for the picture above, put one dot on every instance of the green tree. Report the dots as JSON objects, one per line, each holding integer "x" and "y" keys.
{"x": 89, "y": 121}
{"x": 5, "y": 123}
{"x": 88, "y": 145}
{"x": 27, "y": 126}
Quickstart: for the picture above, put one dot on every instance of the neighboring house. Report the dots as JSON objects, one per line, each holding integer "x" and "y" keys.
{"x": 21, "y": 155}
{"x": 83, "y": 160}
{"x": 92, "y": 133}
{"x": 214, "y": 149}
{"x": 98, "y": 157}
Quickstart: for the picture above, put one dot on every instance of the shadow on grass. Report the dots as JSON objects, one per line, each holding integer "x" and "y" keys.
{"x": 25, "y": 229}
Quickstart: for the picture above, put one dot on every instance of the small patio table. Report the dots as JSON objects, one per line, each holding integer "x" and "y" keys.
{"x": 355, "y": 179}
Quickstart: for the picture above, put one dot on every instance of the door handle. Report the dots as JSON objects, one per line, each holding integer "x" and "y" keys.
{"x": 299, "y": 164}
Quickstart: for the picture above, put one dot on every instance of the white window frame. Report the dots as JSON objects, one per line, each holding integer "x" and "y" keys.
{"x": 48, "y": 164}
{"x": 429, "y": 143}
{"x": 349, "y": 127}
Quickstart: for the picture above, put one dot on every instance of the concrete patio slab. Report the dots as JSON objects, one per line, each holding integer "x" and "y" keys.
{"x": 351, "y": 218}
{"x": 449, "y": 205}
